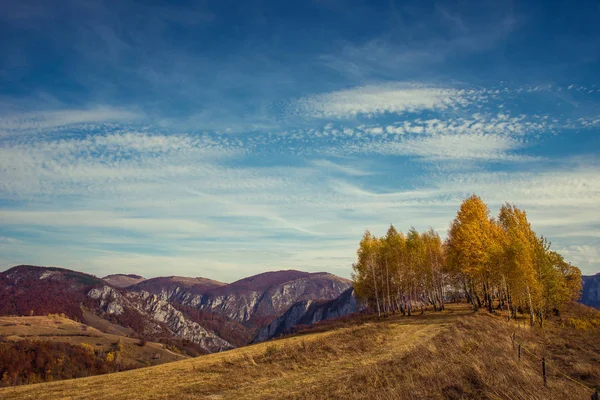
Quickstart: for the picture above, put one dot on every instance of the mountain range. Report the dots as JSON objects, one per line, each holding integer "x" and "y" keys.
{"x": 208, "y": 315}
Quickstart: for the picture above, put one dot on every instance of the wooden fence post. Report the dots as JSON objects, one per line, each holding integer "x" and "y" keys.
{"x": 544, "y": 371}
{"x": 513, "y": 340}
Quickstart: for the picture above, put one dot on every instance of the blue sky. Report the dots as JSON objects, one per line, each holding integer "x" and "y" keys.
{"x": 223, "y": 139}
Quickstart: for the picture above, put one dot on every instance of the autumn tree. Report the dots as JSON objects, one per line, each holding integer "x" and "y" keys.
{"x": 367, "y": 272}
{"x": 467, "y": 247}
{"x": 520, "y": 257}
{"x": 433, "y": 269}
{"x": 560, "y": 281}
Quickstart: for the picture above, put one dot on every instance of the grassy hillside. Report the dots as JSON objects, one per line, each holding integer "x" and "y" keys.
{"x": 454, "y": 354}
{"x": 60, "y": 329}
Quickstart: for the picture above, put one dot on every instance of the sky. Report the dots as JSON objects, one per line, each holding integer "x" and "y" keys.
{"x": 223, "y": 139}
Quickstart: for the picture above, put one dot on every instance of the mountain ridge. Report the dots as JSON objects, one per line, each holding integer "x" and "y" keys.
{"x": 197, "y": 310}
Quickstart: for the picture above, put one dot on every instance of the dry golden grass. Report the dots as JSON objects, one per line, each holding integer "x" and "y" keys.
{"x": 91, "y": 319}
{"x": 455, "y": 354}
{"x": 60, "y": 329}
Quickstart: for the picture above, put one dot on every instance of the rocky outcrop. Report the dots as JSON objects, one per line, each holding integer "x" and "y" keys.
{"x": 159, "y": 314}
{"x": 111, "y": 304}
{"x": 159, "y": 309}
{"x": 109, "y": 300}
{"x": 590, "y": 294}
{"x": 308, "y": 312}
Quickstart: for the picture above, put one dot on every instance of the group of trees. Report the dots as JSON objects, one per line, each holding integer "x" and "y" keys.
{"x": 36, "y": 361}
{"x": 398, "y": 272}
{"x": 502, "y": 259}
{"x": 497, "y": 263}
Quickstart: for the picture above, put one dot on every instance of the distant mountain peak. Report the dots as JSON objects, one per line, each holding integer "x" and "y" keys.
{"x": 53, "y": 273}
{"x": 169, "y": 283}
{"x": 194, "y": 281}
{"x": 123, "y": 280}
{"x": 133, "y": 276}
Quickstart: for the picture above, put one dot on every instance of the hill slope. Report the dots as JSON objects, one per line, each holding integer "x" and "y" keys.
{"x": 56, "y": 328}
{"x": 454, "y": 354}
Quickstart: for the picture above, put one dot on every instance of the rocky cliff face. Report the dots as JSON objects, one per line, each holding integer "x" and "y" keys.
{"x": 590, "y": 295}
{"x": 109, "y": 300}
{"x": 308, "y": 312}
{"x": 160, "y": 310}
{"x": 158, "y": 313}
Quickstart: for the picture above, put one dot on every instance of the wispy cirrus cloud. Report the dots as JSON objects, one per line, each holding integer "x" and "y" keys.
{"x": 266, "y": 208}
{"x": 327, "y": 165}
{"x": 484, "y": 138}
{"x": 379, "y": 99}
{"x": 567, "y": 185}
{"x": 48, "y": 120}
{"x": 61, "y": 165}
{"x": 467, "y": 147}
